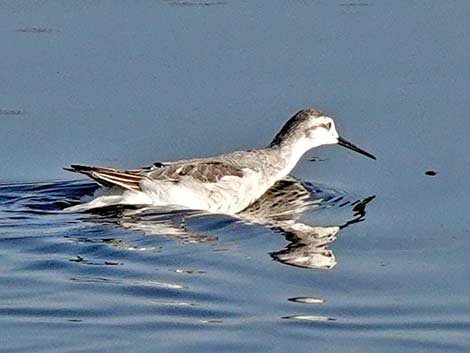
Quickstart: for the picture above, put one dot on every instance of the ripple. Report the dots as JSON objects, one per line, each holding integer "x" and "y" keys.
{"x": 189, "y": 3}
{"x": 153, "y": 270}
{"x": 37, "y": 29}
{"x": 152, "y": 283}
{"x": 307, "y": 300}
{"x": 4, "y": 111}
{"x": 311, "y": 318}
{"x": 174, "y": 303}
{"x": 189, "y": 272}
{"x": 80, "y": 260}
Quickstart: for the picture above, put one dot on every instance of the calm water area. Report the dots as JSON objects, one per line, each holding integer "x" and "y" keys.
{"x": 347, "y": 255}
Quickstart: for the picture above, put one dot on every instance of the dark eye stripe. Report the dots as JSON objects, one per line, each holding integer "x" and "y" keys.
{"x": 325, "y": 126}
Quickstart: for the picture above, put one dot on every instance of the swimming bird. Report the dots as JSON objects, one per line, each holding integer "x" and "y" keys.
{"x": 227, "y": 183}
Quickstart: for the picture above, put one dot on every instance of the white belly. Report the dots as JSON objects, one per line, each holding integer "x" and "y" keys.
{"x": 229, "y": 195}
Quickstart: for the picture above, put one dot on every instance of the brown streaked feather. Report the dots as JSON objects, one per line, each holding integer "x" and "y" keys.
{"x": 110, "y": 177}
{"x": 204, "y": 172}
{"x": 123, "y": 180}
{"x": 199, "y": 170}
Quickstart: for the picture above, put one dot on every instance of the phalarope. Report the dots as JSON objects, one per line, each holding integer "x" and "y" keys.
{"x": 223, "y": 184}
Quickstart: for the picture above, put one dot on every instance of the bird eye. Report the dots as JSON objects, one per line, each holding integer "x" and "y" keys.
{"x": 328, "y": 126}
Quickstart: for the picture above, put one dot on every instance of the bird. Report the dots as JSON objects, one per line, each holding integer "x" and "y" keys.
{"x": 224, "y": 184}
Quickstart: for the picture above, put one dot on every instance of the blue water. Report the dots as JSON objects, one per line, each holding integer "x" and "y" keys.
{"x": 373, "y": 255}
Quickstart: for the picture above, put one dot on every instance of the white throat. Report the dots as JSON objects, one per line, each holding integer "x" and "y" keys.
{"x": 291, "y": 154}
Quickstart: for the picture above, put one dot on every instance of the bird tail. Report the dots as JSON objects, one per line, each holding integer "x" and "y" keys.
{"x": 109, "y": 177}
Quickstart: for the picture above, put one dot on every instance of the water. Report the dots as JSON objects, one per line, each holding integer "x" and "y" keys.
{"x": 126, "y": 84}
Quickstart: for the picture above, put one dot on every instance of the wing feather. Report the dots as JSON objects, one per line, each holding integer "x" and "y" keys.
{"x": 110, "y": 177}
{"x": 202, "y": 171}
{"x": 199, "y": 170}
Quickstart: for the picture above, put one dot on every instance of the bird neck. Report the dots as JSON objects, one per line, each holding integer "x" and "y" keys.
{"x": 290, "y": 153}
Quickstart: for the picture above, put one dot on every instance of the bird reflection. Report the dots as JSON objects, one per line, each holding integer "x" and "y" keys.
{"x": 282, "y": 208}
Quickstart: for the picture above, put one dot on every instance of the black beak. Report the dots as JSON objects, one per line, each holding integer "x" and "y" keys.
{"x": 347, "y": 144}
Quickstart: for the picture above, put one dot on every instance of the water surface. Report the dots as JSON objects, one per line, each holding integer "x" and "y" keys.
{"x": 126, "y": 84}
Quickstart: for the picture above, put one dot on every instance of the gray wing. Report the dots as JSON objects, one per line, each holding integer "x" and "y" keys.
{"x": 200, "y": 170}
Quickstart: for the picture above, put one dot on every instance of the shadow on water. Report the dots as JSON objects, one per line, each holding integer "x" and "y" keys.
{"x": 289, "y": 208}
